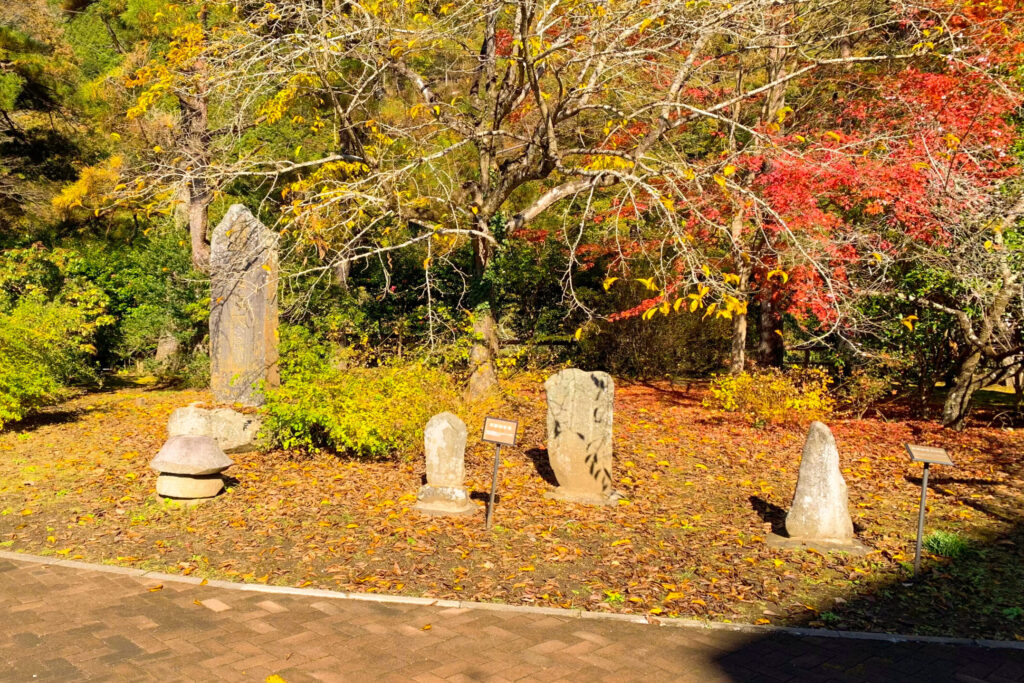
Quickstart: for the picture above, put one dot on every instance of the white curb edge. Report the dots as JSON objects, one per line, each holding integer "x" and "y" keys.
{"x": 522, "y": 609}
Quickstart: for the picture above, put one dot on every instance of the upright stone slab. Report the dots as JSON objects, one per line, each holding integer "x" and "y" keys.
{"x": 243, "y": 308}
{"x": 580, "y": 436}
{"x": 444, "y": 441}
{"x": 820, "y": 511}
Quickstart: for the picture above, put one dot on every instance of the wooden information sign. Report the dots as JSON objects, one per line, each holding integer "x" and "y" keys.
{"x": 929, "y": 455}
{"x": 500, "y": 433}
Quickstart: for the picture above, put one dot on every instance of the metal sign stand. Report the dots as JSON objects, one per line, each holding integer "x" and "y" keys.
{"x": 920, "y": 519}
{"x": 500, "y": 433}
{"x": 494, "y": 484}
{"x": 929, "y": 455}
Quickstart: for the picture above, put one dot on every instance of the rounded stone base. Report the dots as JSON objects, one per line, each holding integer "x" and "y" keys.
{"x": 188, "y": 487}
{"x": 852, "y": 546}
{"x": 444, "y": 500}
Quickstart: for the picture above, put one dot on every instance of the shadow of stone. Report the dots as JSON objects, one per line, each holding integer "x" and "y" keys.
{"x": 539, "y": 456}
{"x": 229, "y": 481}
{"x": 771, "y": 513}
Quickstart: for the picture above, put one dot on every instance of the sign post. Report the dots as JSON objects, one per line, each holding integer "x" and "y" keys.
{"x": 500, "y": 433}
{"x": 929, "y": 455}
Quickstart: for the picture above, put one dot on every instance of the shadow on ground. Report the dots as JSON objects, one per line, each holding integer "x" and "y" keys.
{"x": 980, "y": 592}
{"x": 539, "y": 457}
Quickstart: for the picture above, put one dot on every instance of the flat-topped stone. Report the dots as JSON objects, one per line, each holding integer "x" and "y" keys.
{"x": 190, "y": 455}
{"x": 580, "y": 413}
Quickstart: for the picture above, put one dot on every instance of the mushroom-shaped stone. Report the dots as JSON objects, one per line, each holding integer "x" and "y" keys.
{"x": 185, "y": 454}
{"x": 190, "y": 468}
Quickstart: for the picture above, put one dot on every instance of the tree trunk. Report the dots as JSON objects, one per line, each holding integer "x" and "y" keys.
{"x": 342, "y": 270}
{"x": 958, "y": 401}
{"x": 198, "y": 221}
{"x": 483, "y": 376}
{"x": 196, "y": 145}
{"x": 771, "y": 348}
{"x": 738, "y": 357}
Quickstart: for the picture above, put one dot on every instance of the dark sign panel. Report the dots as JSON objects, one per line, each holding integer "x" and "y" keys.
{"x": 929, "y": 454}
{"x": 502, "y": 432}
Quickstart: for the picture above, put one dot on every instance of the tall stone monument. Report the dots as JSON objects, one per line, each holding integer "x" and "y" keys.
{"x": 444, "y": 440}
{"x": 820, "y": 515}
{"x": 243, "y": 308}
{"x": 580, "y": 436}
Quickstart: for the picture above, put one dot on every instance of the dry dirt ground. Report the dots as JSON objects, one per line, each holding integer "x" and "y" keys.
{"x": 701, "y": 492}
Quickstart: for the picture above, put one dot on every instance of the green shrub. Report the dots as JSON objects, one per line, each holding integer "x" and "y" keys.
{"x": 49, "y": 316}
{"x": 368, "y": 412}
{"x": 946, "y": 543}
{"x": 773, "y": 396}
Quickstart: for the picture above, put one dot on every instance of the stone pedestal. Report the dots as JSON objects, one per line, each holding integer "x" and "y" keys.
{"x": 444, "y": 442}
{"x": 243, "y": 308}
{"x": 580, "y": 411}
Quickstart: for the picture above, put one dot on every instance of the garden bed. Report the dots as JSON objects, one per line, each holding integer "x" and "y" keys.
{"x": 702, "y": 490}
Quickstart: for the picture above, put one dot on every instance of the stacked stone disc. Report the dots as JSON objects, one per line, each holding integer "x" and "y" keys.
{"x": 190, "y": 468}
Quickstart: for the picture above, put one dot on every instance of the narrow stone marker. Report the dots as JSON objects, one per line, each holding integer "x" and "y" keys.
{"x": 444, "y": 442}
{"x": 820, "y": 515}
{"x": 243, "y": 308}
{"x": 580, "y": 412}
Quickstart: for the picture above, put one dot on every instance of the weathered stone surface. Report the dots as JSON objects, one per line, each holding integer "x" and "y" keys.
{"x": 243, "y": 308}
{"x": 444, "y": 442}
{"x": 580, "y": 412}
{"x": 187, "y": 487}
{"x": 233, "y": 431}
{"x": 191, "y": 455}
{"x": 820, "y": 510}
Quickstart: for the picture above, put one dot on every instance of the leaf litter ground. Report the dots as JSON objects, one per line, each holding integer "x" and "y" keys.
{"x": 702, "y": 491}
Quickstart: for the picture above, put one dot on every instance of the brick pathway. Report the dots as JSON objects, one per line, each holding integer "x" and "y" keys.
{"x": 62, "y": 623}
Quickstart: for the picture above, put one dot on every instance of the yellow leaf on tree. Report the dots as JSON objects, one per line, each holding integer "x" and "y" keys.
{"x": 648, "y": 282}
{"x": 608, "y": 282}
{"x": 720, "y": 180}
{"x": 778, "y": 272}
{"x": 909, "y": 322}
{"x": 728, "y": 170}
{"x": 579, "y": 333}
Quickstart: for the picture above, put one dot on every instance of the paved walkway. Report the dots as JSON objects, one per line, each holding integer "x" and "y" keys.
{"x": 69, "y": 624}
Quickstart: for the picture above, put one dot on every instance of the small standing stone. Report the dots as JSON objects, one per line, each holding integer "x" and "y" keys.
{"x": 444, "y": 440}
{"x": 580, "y": 411}
{"x": 820, "y": 510}
{"x": 189, "y": 468}
{"x": 243, "y": 308}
